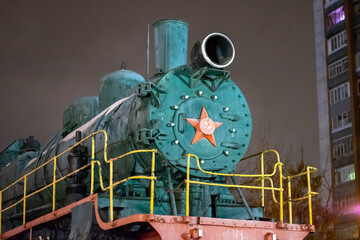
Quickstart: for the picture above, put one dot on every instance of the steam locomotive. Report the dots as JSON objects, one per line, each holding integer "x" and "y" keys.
{"x": 182, "y": 109}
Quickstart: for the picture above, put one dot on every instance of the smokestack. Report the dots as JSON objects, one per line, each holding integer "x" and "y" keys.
{"x": 216, "y": 51}
{"x": 170, "y": 38}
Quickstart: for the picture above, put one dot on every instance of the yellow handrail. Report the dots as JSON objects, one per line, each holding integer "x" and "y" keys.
{"x": 24, "y": 206}
{"x": 290, "y": 200}
{"x": 43, "y": 188}
{"x": 262, "y": 183}
{"x": 237, "y": 174}
{"x": 152, "y": 183}
{"x": 111, "y": 191}
{"x": 309, "y": 195}
{"x": 112, "y": 185}
{"x": 152, "y": 178}
{"x": 281, "y": 194}
{"x": 262, "y": 176}
{"x": 54, "y": 185}
{"x": 93, "y": 161}
{"x": 67, "y": 150}
{"x": 54, "y": 176}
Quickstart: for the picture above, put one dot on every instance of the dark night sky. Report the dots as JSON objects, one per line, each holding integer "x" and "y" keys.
{"x": 52, "y": 52}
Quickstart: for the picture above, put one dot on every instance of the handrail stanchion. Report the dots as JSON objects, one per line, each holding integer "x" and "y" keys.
{"x": 111, "y": 191}
{"x": 54, "y": 184}
{"x": 152, "y": 183}
{"x": 281, "y": 194}
{"x": 290, "y": 200}
{"x": 92, "y": 148}
{"x": 309, "y": 194}
{"x": 24, "y": 204}
{"x": 105, "y": 146}
{"x": 92, "y": 179}
{"x": 262, "y": 182}
{"x": 187, "y": 185}
{"x": 92, "y": 164}
{"x": 110, "y": 180}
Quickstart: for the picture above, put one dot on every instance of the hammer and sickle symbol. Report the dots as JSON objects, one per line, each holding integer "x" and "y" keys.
{"x": 207, "y": 125}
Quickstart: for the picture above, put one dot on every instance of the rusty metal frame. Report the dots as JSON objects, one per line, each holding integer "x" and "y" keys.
{"x": 162, "y": 223}
{"x": 46, "y": 218}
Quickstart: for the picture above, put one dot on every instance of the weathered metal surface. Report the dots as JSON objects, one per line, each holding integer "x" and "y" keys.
{"x": 46, "y": 218}
{"x": 117, "y": 85}
{"x": 10, "y": 153}
{"x": 11, "y": 173}
{"x": 116, "y": 117}
{"x": 81, "y": 221}
{"x": 171, "y": 39}
{"x": 211, "y": 229}
{"x": 17, "y": 148}
{"x": 80, "y": 111}
{"x": 182, "y": 227}
{"x": 173, "y": 135}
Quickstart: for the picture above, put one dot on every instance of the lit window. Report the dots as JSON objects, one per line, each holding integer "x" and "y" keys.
{"x": 341, "y": 121}
{"x": 344, "y": 174}
{"x": 342, "y": 147}
{"x": 337, "y": 42}
{"x": 338, "y": 67}
{"x": 339, "y": 93}
{"x": 335, "y": 17}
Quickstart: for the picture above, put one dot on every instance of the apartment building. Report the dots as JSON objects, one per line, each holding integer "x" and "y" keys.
{"x": 337, "y": 50}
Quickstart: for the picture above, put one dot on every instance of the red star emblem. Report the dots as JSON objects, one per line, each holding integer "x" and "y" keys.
{"x": 204, "y": 126}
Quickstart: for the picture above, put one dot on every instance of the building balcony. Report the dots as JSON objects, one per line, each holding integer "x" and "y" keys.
{"x": 339, "y": 79}
{"x": 332, "y": 4}
{"x": 337, "y": 54}
{"x": 335, "y": 29}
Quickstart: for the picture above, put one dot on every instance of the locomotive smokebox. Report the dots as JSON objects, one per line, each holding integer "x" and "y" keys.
{"x": 216, "y": 50}
{"x": 171, "y": 39}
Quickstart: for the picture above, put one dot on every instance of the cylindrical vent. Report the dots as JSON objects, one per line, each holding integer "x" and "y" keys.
{"x": 117, "y": 85}
{"x": 171, "y": 38}
{"x": 78, "y": 136}
{"x": 216, "y": 50}
{"x": 123, "y": 66}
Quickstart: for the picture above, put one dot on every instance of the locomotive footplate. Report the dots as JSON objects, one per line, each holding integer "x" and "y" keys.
{"x": 149, "y": 226}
